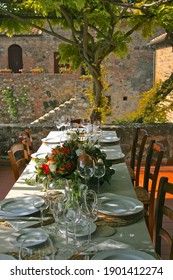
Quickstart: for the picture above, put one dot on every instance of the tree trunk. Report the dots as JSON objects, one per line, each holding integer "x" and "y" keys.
{"x": 97, "y": 94}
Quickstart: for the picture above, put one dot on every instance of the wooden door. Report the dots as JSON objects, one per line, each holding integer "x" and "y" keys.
{"x": 15, "y": 58}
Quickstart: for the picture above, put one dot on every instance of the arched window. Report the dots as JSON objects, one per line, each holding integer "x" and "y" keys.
{"x": 15, "y": 61}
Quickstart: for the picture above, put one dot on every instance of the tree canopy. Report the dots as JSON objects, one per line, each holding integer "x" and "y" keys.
{"x": 95, "y": 28}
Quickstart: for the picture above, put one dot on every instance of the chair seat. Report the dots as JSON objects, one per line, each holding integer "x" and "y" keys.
{"x": 142, "y": 195}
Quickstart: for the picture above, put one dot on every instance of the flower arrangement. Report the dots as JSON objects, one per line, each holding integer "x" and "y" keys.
{"x": 62, "y": 161}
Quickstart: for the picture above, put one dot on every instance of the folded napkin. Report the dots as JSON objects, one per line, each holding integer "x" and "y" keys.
{"x": 108, "y": 244}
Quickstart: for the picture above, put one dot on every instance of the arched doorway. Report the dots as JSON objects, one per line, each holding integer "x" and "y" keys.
{"x": 15, "y": 61}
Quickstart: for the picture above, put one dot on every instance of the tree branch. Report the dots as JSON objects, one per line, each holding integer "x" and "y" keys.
{"x": 132, "y": 5}
{"x": 39, "y": 27}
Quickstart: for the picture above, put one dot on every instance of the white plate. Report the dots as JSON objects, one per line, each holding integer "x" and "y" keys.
{"x": 118, "y": 205}
{"x": 109, "y": 139}
{"x": 123, "y": 254}
{"x": 52, "y": 140}
{"x": 39, "y": 155}
{"x": 18, "y": 206}
{"x": 6, "y": 257}
{"x": 112, "y": 153}
{"x": 82, "y": 230}
{"x": 32, "y": 236}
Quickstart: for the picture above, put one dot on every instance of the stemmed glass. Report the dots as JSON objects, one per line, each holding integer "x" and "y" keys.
{"x": 41, "y": 204}
{"x": 68, "y": 122}
{"x": 58, "y": 124}
{"x": 85, "y": 167}
{"x": 42, "y": 251}
{"x": 89, "y": 210}
{"x": 99, "y": 171}
{"x": 57, "y": 208}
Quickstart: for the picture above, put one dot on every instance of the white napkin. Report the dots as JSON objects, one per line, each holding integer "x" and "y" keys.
{"x": 109, "y": 244}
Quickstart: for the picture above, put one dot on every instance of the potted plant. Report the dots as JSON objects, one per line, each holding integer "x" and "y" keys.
{"x": 37, "y": 70}
{"x": 5, "y": 70}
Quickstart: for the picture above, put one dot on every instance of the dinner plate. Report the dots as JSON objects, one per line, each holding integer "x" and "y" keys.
{"x": 109, "y": 139}
{"x": 18, "y": 206}
{"x": 52, "y": 140}
{"x": 112, "y": 154}
{"x": 32, "y": 237}
{"x": 122, "y": 254}
{"x": 39, "y": 155}
{"x": 82, "y": 230}
{"x": 118, "y": 205}
{"x": 6, "y": 257}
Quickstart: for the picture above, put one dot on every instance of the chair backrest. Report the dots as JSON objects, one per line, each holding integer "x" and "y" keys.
{"x": 163, "y": 211}
{"x": 152, "y": 167}
{"x": 18, "y": 156}
{"x": 26, "y": 139}
{"x": 137, "y": 152}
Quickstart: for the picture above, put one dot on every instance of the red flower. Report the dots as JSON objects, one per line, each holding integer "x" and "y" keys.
{"x": 67, "y": 165}
{"x": 66, "y": 150}
{"x": 45, "y": 168}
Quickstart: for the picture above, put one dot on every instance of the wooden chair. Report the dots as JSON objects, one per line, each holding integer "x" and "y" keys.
{"x": 137, "y": 152}
{"x": 26, "y": 139}
{"x": 19, "y": 158}
{"x": 146, "y": 193}
{"x": 163, "y": 211}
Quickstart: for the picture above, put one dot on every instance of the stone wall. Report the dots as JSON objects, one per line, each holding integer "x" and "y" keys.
{"x": 161, "y": 132}
{"x": 127, "y": 77}
{"x": 163, "y": 62}
{"x": 42, "y": 90}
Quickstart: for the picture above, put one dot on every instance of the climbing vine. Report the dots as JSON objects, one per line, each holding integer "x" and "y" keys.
{"x": 153, "y": 105}
{"x": 14, "y": 101}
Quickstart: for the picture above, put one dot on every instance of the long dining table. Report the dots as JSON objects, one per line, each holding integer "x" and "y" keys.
{"x": 130, "y": 234}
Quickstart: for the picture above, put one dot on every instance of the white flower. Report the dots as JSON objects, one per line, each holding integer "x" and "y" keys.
{"x": 53, "y": 166}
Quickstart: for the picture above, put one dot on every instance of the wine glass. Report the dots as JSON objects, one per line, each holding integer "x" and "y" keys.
{"x": 67, "y": 122}
{"x": 97, "y": 130}
{"x": 89, "y": 210}
{"x": 99, "y": 171}
{"x": 85, "y": 167}
{"x": 41, "y": 251}
{"x": 58, "y": 124}
{"x": 57, "y": 208}
{"x": 40, "y": 203}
